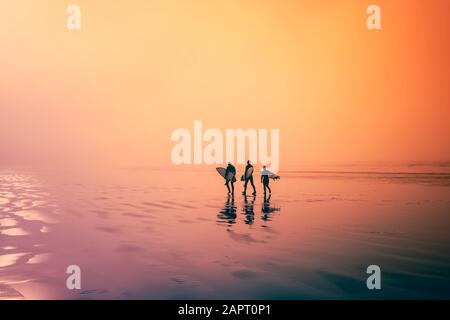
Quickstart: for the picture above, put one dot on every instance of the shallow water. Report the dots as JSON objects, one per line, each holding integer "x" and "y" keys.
{"x": 149, "y": 234}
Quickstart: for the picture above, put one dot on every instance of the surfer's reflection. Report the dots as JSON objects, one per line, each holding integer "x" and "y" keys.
{"x": 267, "y": 209}
{"x": 228, "y": 213}
{"x": 248, "y": 209}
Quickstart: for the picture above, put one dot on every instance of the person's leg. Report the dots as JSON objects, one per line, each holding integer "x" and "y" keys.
{"x": 232, "y": 187}
{"x": 270, "y": 191}
{"x": 245, "y": 186}
{"x": 264, "y": 188}
{"x": 253, "y": 185}
{"x": 228, "y": 186}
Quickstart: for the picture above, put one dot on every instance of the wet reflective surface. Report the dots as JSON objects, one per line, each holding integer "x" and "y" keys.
{"x": 145, "y": 234}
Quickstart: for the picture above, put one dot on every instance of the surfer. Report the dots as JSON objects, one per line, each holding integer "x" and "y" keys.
{"x": 248, "y": 176}
{"x": 265, "y": 180}
{"x": 230, "y": 169}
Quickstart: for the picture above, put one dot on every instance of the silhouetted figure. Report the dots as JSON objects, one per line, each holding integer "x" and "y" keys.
{"x": 248, "y": 178}
{"x": 248, "y": 210}
{"x": 230, "y": 169}
{"x": 265, "y": 181}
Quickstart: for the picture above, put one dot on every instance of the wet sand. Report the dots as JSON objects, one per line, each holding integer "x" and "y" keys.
{"x": 148, "y": 234}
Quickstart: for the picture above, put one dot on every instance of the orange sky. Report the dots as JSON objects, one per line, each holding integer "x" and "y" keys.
{"x": 115, "y": 90}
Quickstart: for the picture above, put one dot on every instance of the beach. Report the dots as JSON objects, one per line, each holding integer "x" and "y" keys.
{"x": 176, "y": 234}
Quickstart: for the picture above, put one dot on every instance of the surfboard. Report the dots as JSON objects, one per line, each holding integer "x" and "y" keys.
{"x": 248, "y": 173}
{"x": 270, "y": 174}
{"x": 230, "y": 176}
